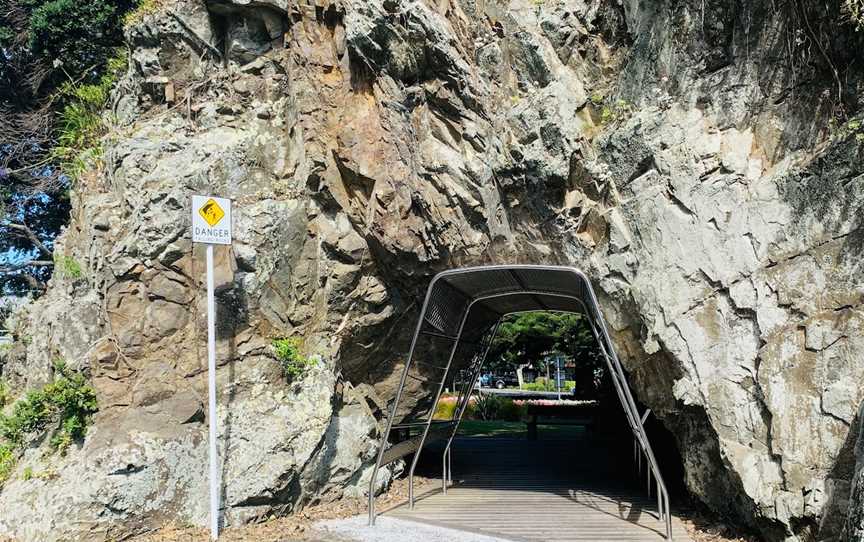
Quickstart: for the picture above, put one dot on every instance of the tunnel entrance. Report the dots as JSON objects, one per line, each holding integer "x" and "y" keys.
{"x": 461, "y": 315}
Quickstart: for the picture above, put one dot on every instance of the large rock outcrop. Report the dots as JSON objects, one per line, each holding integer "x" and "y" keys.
{"x": 678, "y": 151}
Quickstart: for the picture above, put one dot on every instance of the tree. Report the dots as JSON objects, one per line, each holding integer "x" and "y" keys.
{"x": 45, "y": 46}
{"x": 528, "y": 339}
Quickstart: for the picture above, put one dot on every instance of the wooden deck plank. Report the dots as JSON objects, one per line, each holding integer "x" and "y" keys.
{"x": 571, "y": 493}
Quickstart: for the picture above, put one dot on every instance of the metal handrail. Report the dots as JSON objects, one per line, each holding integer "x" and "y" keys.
{"x": 432, "y": 413}
{"x": 661, "y": 485}
{"x": 616, "y": 371}
{"x": 461, "y": 411}
{"x": 386, "y": 435}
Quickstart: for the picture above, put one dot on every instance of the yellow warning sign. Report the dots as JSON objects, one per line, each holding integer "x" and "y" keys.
{"x": 211, "y": 212}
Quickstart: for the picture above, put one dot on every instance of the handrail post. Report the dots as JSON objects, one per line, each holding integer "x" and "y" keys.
{"x": 629, "y": 405}
{"x": 386, "y": 435}
{"x": 474, "y": 376}
{"x": 434, "y": 403}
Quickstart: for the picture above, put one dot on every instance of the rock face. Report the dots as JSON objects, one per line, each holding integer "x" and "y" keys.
{"x": 854, "y": 527}
{"x": 679, "y": 152}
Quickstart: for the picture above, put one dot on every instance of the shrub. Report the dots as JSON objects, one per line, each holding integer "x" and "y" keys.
{"x": 445, "y": 409}
{"x": 511, "y": 411}
{"x": 290, "y": 355}
{"x": 5, "y": 394}
{"x": 68, "y": 399}
{"x": 490, "y": 407}
{"x": 612, "y": 112}
{"x": 486, "y": 406}
{"x": 81, "y": 120}
{"x": 541, "y": 384}
{"x": 7, "y": 462}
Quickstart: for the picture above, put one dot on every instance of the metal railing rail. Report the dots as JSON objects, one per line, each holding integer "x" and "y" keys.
{"x": 465, "y": 399}
{"x": 604, "y": 342}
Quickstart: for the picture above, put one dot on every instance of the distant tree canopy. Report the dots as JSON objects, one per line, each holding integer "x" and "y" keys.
{"x": 44, "y": 45}
{"x": 527, "y": 338}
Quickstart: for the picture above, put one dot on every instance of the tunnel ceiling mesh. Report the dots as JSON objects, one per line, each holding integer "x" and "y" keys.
{"x": 500, "y": 290}
{"x": 468, "y": 304}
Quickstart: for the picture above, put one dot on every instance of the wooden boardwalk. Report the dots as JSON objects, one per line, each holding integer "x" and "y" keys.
{"x": 542, "y": 491}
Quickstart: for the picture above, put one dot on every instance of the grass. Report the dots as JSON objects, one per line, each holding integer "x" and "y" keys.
{"x": 66, "y": 266}
{"x": 480, "y": 428}
{"x": 7, "y": 462}
{"x": 446, "y": 408}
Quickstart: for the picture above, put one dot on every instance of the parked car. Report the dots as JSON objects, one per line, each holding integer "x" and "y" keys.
{"x": 503, "y": 380}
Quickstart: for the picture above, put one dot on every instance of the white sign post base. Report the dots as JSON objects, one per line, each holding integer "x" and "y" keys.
{"x": 211, "y": 224}
{"x": 211, "y": 393}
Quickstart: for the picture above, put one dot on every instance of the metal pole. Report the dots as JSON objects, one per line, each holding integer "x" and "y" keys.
{"x": 649, "y": 485}
{"x": 475, "y": 374}
{"x": 640, "y": 432}
{"x": 558, "y": 374}
{"x": 211, "y": 389}
{"x": 635, "y": 424}
{"x": 444, "y": 472}
{"x": 386, "y": 435}
{"x": 435, "y": 402}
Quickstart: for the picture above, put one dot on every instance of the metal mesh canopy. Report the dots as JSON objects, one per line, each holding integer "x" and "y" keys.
{"x": 495, "y": 291}
{"x": 460, "y": 316}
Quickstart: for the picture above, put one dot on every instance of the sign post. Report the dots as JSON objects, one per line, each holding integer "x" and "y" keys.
{"x": 211, "y": 224}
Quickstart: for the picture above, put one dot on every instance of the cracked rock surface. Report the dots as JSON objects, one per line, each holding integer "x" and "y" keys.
{"x": 669, "y": 149}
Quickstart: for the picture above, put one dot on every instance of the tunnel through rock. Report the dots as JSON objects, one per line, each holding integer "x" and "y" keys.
{"x": 461, "y": 315}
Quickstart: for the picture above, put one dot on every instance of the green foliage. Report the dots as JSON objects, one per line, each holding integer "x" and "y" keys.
{"x": 66, "y": 266}
{"x": 82, "y": 123}
{"x": 46, "y": 45}
{"x": 527, "y": 338}
{"x": 7, "y": 462}
{"x": 68, "y": 401}
{"x": 27, "y": 474}
{"x": 75, "y": 33}
{"x": 5, "y": 393}
{"x": 842, "y": 130}
{"x": 597, "y": 98}
{"x": 542, "y": 384}
{"x": 289, "y": 352}
{"x": 488, "y": 407}
{"x": 144, "y": 8}
{"x": 616, "y": 112}
{"x": 445, "y": 409}
{"x": 510, "y": 410}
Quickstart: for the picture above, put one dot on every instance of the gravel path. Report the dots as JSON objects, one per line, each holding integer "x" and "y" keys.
{"x": 389, "y": 529}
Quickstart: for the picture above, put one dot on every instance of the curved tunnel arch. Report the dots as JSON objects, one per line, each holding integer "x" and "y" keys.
{"x": 465, "y": 307}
